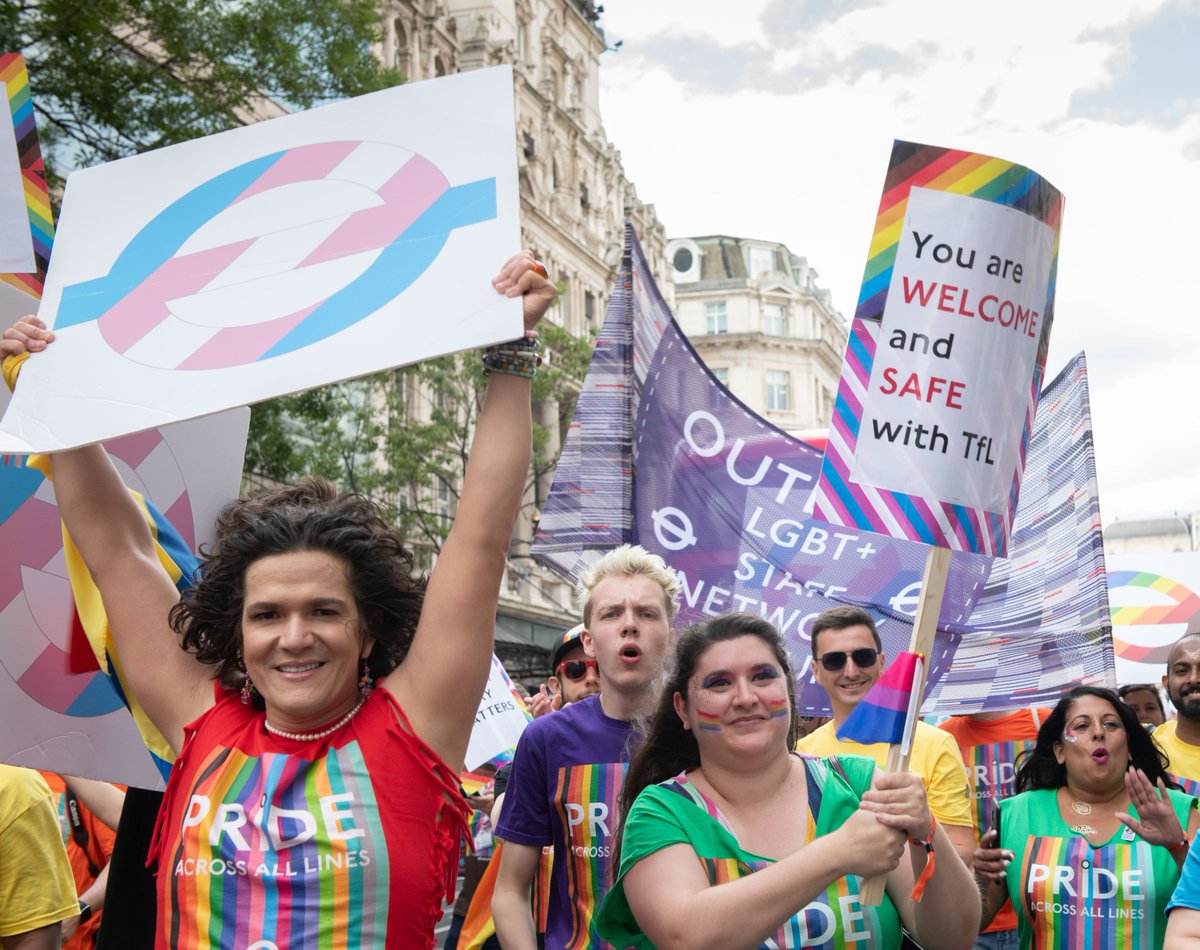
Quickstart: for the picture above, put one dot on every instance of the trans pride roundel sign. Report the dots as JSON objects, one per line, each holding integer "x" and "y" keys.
{"x": 275, "y": 254}
{"x": 36, "y": 606}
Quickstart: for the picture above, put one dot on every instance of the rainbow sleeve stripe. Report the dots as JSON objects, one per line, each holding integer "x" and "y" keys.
{"x": 15, "y": 77}
{"x": 838, "y": 498}
{"x": 880, "y": 715}
{"x": 180, "y": 565}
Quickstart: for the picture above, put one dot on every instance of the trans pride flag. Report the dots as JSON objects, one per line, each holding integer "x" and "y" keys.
{"x": 889, "y": 704}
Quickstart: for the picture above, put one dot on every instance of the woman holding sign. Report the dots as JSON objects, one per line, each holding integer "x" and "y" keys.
{"x": 305, "y": 807}
{"x": 1090, "y": 847}
{"x": 729, "y": 839}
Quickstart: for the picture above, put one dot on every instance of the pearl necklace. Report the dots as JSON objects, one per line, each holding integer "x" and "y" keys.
{"x": 312, "y": 736}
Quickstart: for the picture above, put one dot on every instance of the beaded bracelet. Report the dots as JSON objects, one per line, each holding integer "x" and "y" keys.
{"x": 515, "y": 358}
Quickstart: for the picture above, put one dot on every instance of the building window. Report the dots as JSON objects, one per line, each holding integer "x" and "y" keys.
{"x": 779, "y": 387}
{"x": 400, "y": 51}
{"x": 722, "y": 374}
{"x": 715, "y": 320}
{"x": 589, "y": 306}
{"x": 762, "y": 260}
{"x": 774, "y": 319}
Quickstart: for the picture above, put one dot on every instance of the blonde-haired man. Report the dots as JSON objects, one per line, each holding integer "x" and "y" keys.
{"x": 570, "y": 766}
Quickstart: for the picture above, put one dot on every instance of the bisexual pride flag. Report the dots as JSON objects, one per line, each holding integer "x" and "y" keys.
{"x": 881, "y": 716}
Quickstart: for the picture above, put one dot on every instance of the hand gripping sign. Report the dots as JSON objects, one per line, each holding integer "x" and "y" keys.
{"x": 205, "y": 275}
{"x": 946, "y": 353}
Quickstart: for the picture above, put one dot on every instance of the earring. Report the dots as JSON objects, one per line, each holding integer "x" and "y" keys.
{"x": 247, "y": 690}
{"x": 366, "y": 683}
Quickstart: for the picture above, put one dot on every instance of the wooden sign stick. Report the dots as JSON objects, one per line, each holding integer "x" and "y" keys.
{"x": 933, "y": 588}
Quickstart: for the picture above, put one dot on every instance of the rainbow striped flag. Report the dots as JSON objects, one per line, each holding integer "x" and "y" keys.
{"x": 882, "y": 714}
{"x": 14, "y": 81}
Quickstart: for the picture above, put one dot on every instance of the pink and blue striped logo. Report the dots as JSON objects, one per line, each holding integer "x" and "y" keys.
{"x": 276, "y": 254}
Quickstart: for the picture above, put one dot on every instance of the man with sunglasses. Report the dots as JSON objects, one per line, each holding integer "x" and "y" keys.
{"x": 574, "y": 675}
{"x": 570, "y": 765}
{"x": 847, "y": 660}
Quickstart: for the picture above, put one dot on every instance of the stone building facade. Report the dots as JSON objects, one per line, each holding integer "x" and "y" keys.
{"x": 757, "y": 317}
{"x": 574, "y": 201}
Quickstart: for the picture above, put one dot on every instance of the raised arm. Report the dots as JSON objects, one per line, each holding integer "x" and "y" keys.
{"x": 115, "y": 542}
{"x": 442, "y": 679}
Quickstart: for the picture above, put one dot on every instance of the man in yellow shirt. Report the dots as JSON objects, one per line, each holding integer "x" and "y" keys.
{"x": 1180, "y": 738}
{"x": 847, "y": 660}
{"x": 37, "y": 890}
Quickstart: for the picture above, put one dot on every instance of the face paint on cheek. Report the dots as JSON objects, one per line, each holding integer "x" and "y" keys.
{"x": 779, "y": 708}
{"x": 1069, "y": 738}
{"x": 709, "y": 722}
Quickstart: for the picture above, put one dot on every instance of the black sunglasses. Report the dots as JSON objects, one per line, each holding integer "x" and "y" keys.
{"x": 863, "y": 657}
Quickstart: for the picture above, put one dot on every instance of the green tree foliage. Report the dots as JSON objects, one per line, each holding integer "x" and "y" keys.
{"x": 112, "y": 78}
{"x": 403, "y": 437}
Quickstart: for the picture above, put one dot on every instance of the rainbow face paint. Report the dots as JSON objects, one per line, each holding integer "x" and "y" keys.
{"x": 779, "y": 708}
{"x": 709, "y": 722}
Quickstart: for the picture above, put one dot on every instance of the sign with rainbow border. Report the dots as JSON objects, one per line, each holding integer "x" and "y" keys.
{"x": 1155, "y": 600}
{"x": 26, "y": 224}
{"x": 276, "y": 257}
{"x": 946, "y": 352}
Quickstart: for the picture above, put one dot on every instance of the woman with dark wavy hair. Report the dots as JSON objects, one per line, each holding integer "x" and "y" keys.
{"x": 1090, "y": 847}
{"x": 729, "y": 839}
{"x": 314, "y": 799}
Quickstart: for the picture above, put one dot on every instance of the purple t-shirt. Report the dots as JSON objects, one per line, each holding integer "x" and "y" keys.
{"x": 566, "y": 776}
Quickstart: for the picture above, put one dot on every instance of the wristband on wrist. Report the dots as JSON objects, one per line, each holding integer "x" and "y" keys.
{"x": 918, "y": 890}
{"x": 1181, "y": 845}
{"x": 12, "y": 366}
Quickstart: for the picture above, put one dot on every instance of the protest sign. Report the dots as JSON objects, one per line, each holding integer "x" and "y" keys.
{"x": 946, "y": 353}
{"x": 1155, "y": 600}
{"x": 724, "y": 497}
{"x": 501, "y": 719}
{"x": 73, "y": 715}
{"x": 26, "y": 226}
{"x": 276, "y": 257}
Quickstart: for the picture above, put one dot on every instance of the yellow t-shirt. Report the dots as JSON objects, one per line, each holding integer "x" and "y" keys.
{"x": 1185, "y": 757}
{"x": 935, "y": 757}
{"x": 36, "y": 885}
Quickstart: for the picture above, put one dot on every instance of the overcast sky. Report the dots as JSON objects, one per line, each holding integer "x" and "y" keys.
{"x": 774, "y": 119}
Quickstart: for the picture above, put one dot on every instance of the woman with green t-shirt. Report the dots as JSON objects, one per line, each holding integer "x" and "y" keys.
{"x": 728, "y": 839}
{"x": 1090, "y": 847}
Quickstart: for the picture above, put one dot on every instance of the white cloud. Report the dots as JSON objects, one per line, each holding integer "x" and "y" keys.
{"x": 799, "y": 157}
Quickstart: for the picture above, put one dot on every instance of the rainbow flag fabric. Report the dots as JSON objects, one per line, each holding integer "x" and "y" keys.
{"x": 15, "y": 79}
{"x": 880, "y": 717}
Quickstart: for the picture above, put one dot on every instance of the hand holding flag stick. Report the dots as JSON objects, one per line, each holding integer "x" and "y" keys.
{"x": 891, "y": 710}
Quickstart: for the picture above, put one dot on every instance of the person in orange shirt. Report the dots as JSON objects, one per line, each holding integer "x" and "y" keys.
{"x": 88, "y": 813}
{"x": 990, "y": 743}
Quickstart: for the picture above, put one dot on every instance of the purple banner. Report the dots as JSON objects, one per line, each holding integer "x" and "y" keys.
{"x": 662, "y": 455}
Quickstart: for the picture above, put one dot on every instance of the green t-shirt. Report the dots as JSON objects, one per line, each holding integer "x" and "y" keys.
{"x": 1070, "y": 894}
{"x": 675, "y": 812}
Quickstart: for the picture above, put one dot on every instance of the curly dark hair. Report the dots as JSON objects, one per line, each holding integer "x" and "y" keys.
{"x": 667, "y": 748}
{"x": 1038, "y": 768}
{"x": 310, "y": 515}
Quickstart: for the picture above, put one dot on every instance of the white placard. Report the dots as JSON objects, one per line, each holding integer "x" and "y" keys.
{"x": 16, "y": 241}
{"x": 275, "y": 258}
{"x": 499, "y": 722}
{"x": 1155, "y": 600}
{"x": 956, "y": 352}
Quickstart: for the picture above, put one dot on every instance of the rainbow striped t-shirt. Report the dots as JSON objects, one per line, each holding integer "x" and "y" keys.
{"x": 350, "y": 841}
